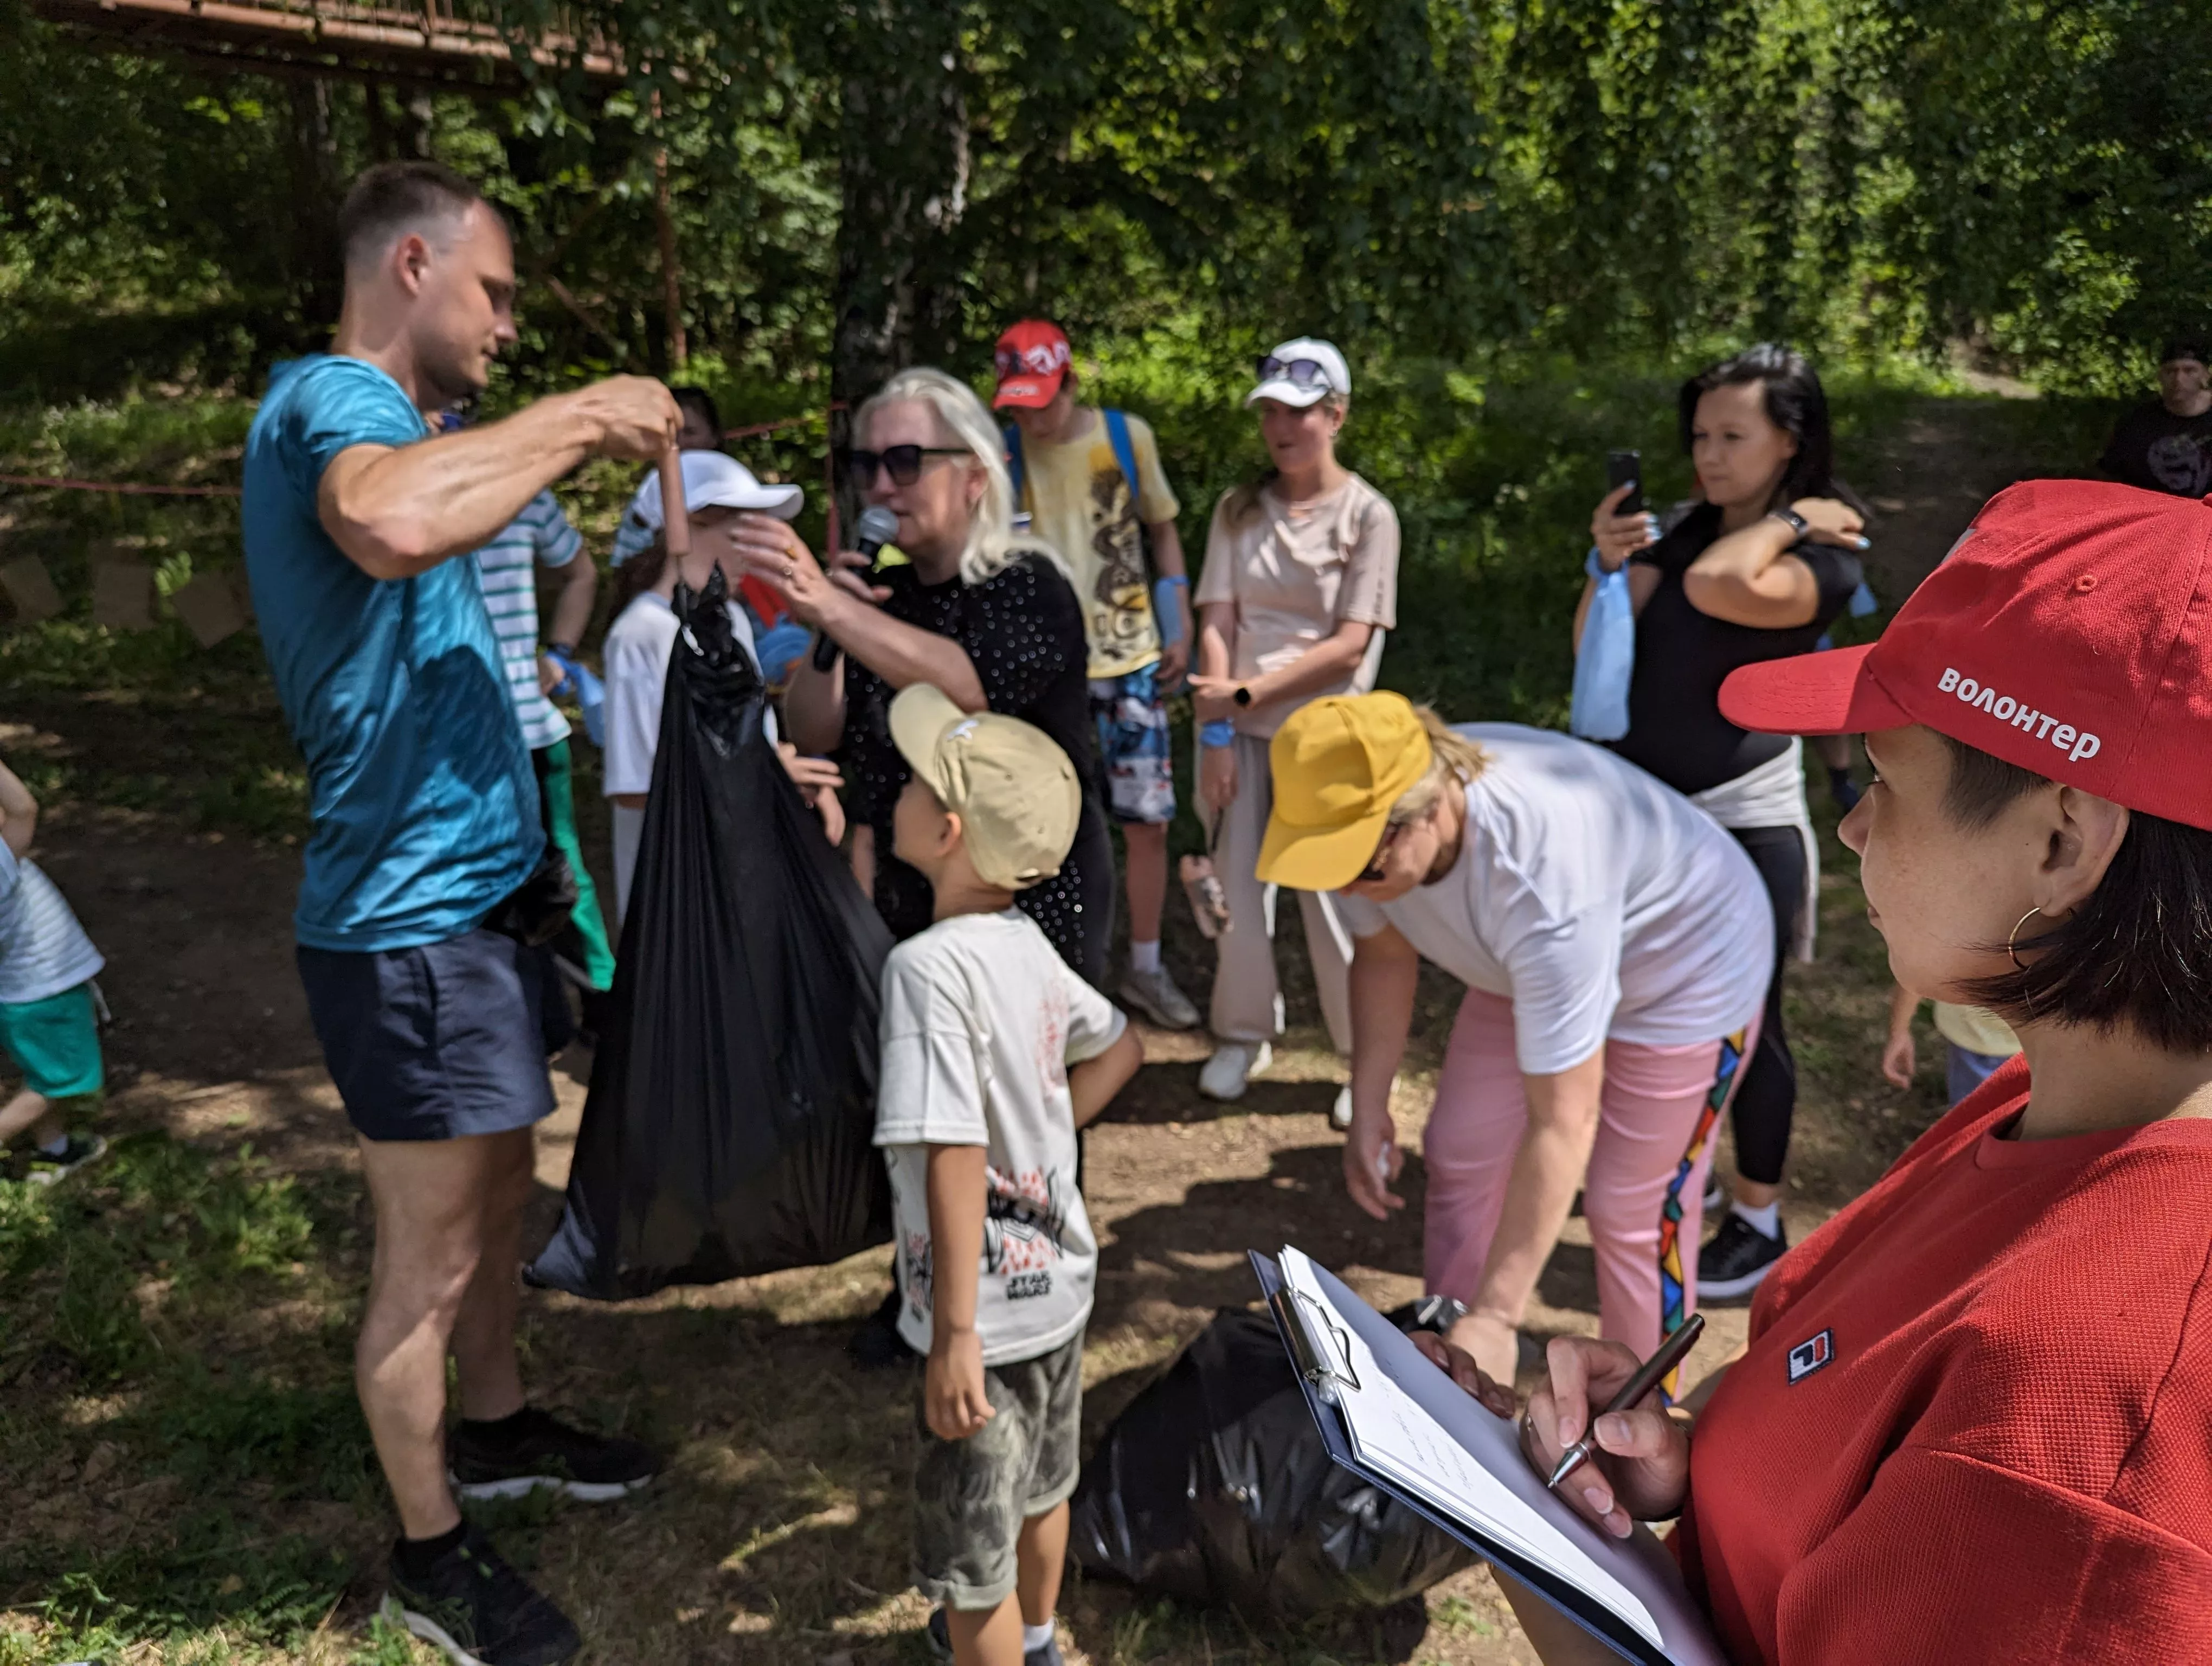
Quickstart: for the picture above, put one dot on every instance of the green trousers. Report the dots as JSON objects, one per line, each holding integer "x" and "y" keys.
{"x": 584, "y": 943}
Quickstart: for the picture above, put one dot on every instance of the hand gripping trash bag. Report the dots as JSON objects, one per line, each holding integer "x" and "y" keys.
{"x": 728, "y": 1128}
{"x": 1214, "y": 1486}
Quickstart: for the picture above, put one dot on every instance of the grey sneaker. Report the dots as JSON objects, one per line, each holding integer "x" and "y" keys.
{"x": 1233, "y": 1063}
{"x": 1155, "y": 996}
{"x": 83, "y": 1148}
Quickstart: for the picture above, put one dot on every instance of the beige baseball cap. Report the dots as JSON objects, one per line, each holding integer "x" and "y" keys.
{"x": 1010, "y": 785}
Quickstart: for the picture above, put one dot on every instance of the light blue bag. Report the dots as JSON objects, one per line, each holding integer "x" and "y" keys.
{"x": 1605, "y": 658}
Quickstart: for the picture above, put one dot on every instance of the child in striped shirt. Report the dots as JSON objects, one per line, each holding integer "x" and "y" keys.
{"x": 506, "y": 570}
{"x": 49, "y": 1023}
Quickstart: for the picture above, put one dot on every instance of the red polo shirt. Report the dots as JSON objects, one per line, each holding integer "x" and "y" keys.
{"x": 1975, "y": 1421}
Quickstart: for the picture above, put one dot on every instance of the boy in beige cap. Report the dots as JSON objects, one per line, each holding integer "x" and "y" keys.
{"x": 993, "y": 1054}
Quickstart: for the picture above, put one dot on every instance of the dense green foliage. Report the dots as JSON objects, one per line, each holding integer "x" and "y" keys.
{"x": 878, "y": 179}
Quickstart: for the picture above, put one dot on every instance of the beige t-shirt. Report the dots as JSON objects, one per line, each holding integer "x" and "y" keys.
{"x": 1079, "y": 501}
{"x": 1295, "y": 571}
{"x": 1976, "y": 1029}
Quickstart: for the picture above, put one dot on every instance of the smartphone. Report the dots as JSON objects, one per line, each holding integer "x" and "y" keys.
{"x": 1620, "y": 468}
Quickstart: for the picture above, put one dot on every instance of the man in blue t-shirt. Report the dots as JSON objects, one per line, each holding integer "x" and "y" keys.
{"x": 414, "y": 909}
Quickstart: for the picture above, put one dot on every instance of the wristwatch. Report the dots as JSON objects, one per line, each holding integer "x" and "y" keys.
{"x": 1241, "y": 697}
{"x": 1796, "y": 523}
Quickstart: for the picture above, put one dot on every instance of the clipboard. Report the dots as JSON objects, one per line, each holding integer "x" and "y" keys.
{"x": 1324, "y": 1369}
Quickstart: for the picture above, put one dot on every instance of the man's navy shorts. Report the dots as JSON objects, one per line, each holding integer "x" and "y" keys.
{"x": 436, "y": 1042}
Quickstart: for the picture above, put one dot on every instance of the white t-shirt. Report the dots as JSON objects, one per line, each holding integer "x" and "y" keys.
{"x": 981, "y": 1019}
{"x": 42, "y": 950}
{"x": 1599, "y": 901}
{"x": 636, "y": 661}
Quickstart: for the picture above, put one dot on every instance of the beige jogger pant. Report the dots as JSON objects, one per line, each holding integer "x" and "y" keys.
{"x": 1247, "y": 1004}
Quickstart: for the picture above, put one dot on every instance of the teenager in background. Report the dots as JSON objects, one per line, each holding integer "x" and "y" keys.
{"x": 2165, "y": 445}
{"x": 1090, "y": 482}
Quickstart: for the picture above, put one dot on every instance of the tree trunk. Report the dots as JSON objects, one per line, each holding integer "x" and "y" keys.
{"x": 903, "y": 179}
{"x": 317, "y": 280}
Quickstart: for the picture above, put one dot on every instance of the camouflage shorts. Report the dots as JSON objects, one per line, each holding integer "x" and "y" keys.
{"x": 971, "y": 1497}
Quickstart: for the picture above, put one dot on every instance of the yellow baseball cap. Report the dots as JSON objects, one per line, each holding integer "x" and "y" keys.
{"x": 1339, "y": 764}
{"x": 1009, "y": 783}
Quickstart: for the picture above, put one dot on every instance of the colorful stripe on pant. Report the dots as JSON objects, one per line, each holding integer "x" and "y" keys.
{"x": 1671, "y": 1303}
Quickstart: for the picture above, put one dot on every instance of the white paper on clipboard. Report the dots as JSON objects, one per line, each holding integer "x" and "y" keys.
{"x": 1450, "y": 1452}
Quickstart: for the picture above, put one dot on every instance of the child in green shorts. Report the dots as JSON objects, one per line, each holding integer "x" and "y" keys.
{"x": 49, "y": 1025}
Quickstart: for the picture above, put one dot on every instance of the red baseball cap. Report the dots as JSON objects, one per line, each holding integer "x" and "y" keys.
{"x": 2068, "y": 632}
{"x": 1033, "y": 360}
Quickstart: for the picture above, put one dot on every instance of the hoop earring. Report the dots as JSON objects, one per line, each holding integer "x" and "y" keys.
{"x": 2012, "y": 953}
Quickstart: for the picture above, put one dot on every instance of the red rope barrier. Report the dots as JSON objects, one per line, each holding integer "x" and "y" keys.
{"x": 131, "y": 488}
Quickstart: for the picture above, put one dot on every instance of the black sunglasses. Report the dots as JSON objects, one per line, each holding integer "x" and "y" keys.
{"x": 1373, "y": 871}
{"x": 905, "y": 462}
{"x": 1298, "y": 373}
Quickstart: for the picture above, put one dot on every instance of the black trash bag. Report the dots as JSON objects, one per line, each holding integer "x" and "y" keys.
{"x": 1213, "y": 1486}
{"x": 728, "y": 1130}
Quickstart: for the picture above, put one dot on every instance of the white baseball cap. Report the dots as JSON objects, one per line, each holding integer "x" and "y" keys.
{"x": 1300, "y": 372}
{"x": 712, "y": 480}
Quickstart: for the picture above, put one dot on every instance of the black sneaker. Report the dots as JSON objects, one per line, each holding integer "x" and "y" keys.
{"x": 83, "y": 1148}
{"x": 1738, "y": 1258}
{"x": 877, "y": 1345}
{"x": 939, "y": 1638}
{"x": 539, "y": 1451}
{"x": 480, "y": 1611}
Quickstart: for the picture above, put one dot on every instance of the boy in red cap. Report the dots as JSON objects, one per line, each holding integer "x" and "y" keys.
{"x": 1970, "y": 1425}
{"x": 1090, "y": 482}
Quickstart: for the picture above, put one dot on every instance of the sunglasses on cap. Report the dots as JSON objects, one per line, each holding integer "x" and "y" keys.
{"x": 1298, "y": 373}
{"x": 903, "y": 462}
{"x": 1032, "y": 360}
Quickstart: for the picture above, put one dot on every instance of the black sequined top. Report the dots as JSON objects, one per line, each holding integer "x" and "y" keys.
{"x": 1024, "y": 631}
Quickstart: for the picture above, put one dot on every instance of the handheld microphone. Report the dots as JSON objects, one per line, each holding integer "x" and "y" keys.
{"x": 876, "y": 527}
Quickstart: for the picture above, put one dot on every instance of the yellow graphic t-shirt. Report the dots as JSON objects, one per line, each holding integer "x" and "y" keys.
{"x": 1078, "y": 502}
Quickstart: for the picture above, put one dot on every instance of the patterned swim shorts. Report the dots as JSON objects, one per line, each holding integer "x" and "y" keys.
{"x": 1132, "y": 746}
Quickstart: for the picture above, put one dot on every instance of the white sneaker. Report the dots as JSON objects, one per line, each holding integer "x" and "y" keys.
{"x": 1154, "y": 993}
{"x": 1233, "y": 1064}
{"x": 1339, "y": 1114}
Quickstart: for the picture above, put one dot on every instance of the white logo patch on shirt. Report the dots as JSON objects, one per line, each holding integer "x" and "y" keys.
{"x": 1810, "y": 1355}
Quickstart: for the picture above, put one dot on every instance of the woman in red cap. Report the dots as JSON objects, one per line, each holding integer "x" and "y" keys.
{"x": 1973, "y": 1422}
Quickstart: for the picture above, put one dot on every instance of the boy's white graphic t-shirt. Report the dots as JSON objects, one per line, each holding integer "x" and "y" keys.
{"x": 981, "y": 1019}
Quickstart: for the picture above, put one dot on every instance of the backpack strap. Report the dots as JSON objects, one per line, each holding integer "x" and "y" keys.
{"x": 1125, "y": 453}
{"x": 1013, "y": 439}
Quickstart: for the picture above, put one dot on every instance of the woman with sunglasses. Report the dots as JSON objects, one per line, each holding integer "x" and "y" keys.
{"x": 1757, "y": 569}
{"x": 1614, "y": 943}
{"x": 982, "y": 612}
{"x": 1301, "y": 582}
{"x": 1969, "y": 1425}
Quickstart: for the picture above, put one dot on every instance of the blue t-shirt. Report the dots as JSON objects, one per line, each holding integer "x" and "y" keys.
{"x": 424, "y": 804}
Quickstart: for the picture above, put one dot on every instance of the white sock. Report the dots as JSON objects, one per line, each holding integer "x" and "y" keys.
{"x": 57, "y": 1147}
{"x": 1036, "y": 1637}
{"x": 1144, "y": 957}
{"x": 1767, "y": 1220}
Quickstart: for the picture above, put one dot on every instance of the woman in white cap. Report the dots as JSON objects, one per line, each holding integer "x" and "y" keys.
{"x": 1301, "y": 582}
{"x": 717, "y": 490}
{"x": 1614, "y": 952}
{"x": 1969, "y": 1425}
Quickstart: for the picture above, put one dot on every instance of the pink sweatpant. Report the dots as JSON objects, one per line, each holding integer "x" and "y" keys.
{"x": 1644, "y": 1194}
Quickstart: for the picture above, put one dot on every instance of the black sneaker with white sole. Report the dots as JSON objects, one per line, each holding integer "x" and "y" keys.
{"x": 534, "y": 1449}
{"x": 1739, "y": 1256}
{"x": 47, "y": 1169}
{"x": 479, "y": 1611}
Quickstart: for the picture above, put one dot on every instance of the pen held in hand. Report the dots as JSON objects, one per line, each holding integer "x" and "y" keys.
{"x": 1648, "y": 1377}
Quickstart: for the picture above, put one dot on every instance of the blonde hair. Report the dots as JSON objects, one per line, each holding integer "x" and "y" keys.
{"x": 993, "y": 543}
{"x": 1243, "y": 502}
{"x": 1454, "y": 762}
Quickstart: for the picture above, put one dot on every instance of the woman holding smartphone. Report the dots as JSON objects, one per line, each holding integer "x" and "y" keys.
{"x": 1969, "y": 1426}
{"x": 1756, "y": 569}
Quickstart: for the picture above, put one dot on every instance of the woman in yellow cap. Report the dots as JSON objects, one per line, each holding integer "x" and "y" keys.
{"x": 1614, "y": 942}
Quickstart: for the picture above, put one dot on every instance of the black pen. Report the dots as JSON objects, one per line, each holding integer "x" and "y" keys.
{"x": 1632, "y": 1393}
